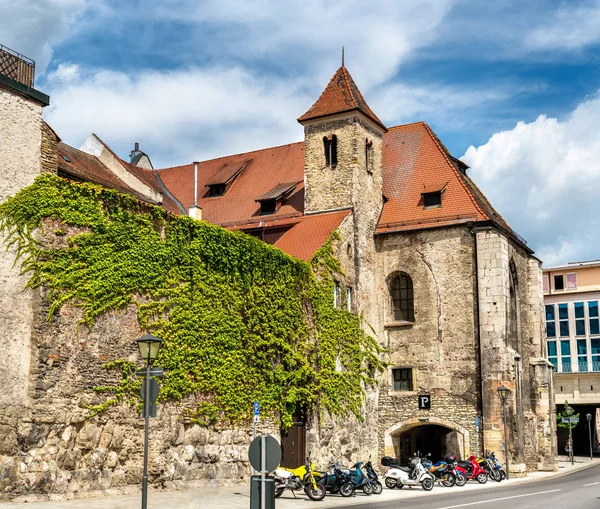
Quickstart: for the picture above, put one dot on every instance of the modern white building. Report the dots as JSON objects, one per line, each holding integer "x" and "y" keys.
{"x": 572, "y": 305}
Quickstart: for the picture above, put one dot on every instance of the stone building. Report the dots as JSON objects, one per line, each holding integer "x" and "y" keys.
{"x": 450, "y": 291}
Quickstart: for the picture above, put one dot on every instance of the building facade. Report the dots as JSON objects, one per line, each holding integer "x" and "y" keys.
{"x": 571, "y": 297}
{"x": 448, "y": 289}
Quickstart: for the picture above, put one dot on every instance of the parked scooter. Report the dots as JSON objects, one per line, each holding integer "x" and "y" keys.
{"x": 336, "y": 481}
{"x": 372, "y": 475}
{"x": 472, "y": 470}
{"x": 441, "y": 472}
{"x": 360, "y": 480}
{"x": 497, "y": 465}
{"x": 461, "y": 479}
{"x": 398, "y": 476}
{"x": 301, "y": 478}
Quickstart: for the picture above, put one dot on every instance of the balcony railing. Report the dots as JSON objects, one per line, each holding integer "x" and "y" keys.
{"x": 582, "y": 367}
{"x": 17, "y": 66}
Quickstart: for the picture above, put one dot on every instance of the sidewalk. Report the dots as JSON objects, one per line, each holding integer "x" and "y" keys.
{"x": 237, "y": 497}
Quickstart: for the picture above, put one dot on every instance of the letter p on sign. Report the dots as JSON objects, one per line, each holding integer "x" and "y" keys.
{"x": 424, "y": 402}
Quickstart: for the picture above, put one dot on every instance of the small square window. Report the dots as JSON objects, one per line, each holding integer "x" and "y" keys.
{"x": 268, "y": 207}
{"x": 432, "y": 200}
{"x": 216, "y": 190}
{"x": 402, "y": 378}
{"x": 559, "y": 282}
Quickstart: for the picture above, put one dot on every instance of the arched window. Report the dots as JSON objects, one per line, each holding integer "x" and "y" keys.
{"x": 330, "y": 148}
{"x": 369, "y": 155}
{"x": 401, "y": 292}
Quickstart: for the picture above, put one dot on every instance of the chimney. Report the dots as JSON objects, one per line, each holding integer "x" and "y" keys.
{"x": 195, "y": 212}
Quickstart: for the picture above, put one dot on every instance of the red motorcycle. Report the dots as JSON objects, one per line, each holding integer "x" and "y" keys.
{"x": 472, "y": 470}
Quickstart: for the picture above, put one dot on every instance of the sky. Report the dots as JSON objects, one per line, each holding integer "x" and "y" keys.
{"x": 511, "y": 87}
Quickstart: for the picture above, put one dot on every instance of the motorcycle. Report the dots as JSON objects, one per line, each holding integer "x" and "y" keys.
{"x": 301, "y": 478}
{"x": 497, "y": 465}
{"x": 472, "y": 470}
{"x": 337, "y": 481}
{"x": 461, "y": 480}
{"x": 441, "y": 472}
{"x": 372, "y": 475}
{"x": 489, "y": 466}
{"x": 398, "y": 476}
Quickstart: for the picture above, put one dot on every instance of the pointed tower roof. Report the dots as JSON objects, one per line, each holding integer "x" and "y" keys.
{"x": 340, "y": 95}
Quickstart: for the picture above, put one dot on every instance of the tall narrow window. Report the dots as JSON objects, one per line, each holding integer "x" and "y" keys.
{"x": 552, "y": 354}
{"x": 550, "y": 321}
{"x": 369, "y": 155}
{"x": 571, "y": 281}
{"x": 582, "y": 364}
{"x": 330, "y": 147}
{"x": 546, "y": 283}
{"x": 349, "y": 298}
{"x": 593, "y": 317}
{"x": 401, "y": 290}
{"x": 336, "y": 294}
{"x": 579, "y": 319}
{"x": 595, "y": 350}
{"x": 563, "y": 320}
{"x": 565, "y": 356}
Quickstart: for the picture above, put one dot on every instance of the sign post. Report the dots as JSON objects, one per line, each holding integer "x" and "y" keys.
{"x": 477, "y": 436}
{"x": 264, "y": 454}
{"x": 256, "y": 419}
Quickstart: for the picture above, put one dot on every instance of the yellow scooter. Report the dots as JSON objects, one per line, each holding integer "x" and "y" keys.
{"x": 303, "y": 477}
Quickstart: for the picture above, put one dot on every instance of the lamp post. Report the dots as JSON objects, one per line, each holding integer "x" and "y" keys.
{"x": 589, "y": 419}
{"x": 569, "y": 412}
{"x": 503, "y": 392}
{"x": 149, "y": 346}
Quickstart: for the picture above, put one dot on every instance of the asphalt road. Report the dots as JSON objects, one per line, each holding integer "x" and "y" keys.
{"x": 579, "y": 490}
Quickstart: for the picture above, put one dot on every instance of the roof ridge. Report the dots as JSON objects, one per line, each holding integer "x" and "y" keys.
{"x": 453, "y": 168}
{"x": 407, "y": 124}
{"x": 352, "y": 97}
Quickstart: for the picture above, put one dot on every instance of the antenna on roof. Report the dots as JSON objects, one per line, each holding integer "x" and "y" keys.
{"x": 342, "y": 56}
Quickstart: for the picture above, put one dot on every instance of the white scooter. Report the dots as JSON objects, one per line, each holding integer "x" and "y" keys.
{"x": 398, "y": 477}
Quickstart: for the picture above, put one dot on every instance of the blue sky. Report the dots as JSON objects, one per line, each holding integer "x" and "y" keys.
{"x": 509, "y": 86}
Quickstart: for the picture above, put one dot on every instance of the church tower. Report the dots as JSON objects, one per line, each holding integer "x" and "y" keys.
{"x": 343, "y": 141}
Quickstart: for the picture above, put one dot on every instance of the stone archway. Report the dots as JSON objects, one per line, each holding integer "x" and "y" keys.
{"x": 460, "y": 435}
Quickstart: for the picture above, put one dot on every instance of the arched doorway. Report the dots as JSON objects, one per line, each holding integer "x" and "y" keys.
{"x": 426, "y": 435}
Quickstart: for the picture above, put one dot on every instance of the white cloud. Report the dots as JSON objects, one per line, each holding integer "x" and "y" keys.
{"x": 64, "y": 73}
{"x": 177, "y": 116}
{"x": 571, "y": 27}
{"x": 31, "y": 27}
{"x": 543, "y": 177}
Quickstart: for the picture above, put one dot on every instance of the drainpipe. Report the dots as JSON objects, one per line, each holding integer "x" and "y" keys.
{"x": 478, "y": 332}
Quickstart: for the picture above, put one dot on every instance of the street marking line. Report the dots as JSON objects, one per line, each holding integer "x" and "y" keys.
{"x": 591, "y": 484}
{"x": 498, "y": 499}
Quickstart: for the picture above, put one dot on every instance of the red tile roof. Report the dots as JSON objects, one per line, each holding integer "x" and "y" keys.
{"x": 340, "y": 95}
{"x": 266, "y": 169}
{"x": 305, "y": 238}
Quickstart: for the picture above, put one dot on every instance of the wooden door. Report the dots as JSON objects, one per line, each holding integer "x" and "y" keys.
{"x": 293, "y": 445}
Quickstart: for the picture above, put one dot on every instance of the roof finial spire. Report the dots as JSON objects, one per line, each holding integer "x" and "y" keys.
{"x": 342, "y": 56}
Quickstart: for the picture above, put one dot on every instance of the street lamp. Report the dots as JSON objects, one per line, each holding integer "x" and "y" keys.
{"x": 569, "y": 412}
{"x": 503, "y": 392}
{"x": 589, "y": 419}
{"x": 149, "y": 346}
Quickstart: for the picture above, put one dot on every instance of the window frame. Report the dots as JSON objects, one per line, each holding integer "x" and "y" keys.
{"x": 410, "y": 379}
{"x": 552, "y": 322}
{"x": 545, "y": 283}
{"x": 567, "y": 287}
{"x": 396, "y": 313}
{"x": 554, "y": 276}
{"x": 330, "y": 150}
{"x": 433, "y": 194}
{"x": 564, "y": 321}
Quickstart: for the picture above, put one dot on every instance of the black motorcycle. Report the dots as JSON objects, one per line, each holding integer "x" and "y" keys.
{"x": 372, "y": 475}
{"x": 337, "y": 481}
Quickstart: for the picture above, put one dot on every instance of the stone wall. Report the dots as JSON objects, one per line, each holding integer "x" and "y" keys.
{"x": 20, "y": 141}
{"x": 49, "y": 163}
{"x": 440, "y": 346}
{"x": 512, "y": 352}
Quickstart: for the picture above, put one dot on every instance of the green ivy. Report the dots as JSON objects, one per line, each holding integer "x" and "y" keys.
{"x": 241, "y": 321}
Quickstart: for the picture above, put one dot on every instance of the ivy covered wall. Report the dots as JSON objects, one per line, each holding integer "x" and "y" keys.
{"x": 240, "y": 320}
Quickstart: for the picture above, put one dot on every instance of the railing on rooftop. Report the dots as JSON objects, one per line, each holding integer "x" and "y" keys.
{"x": 16, "y": 66}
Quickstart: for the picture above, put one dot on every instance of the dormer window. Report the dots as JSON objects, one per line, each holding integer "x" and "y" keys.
{"x": 268, "y": 207}
{"x": 273, "y": 199}
{"x": 222, "y": 180}
{"x": 216, "y": 190}
{"x": 330, "y": 147}
{"x": 432, "y": 200}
